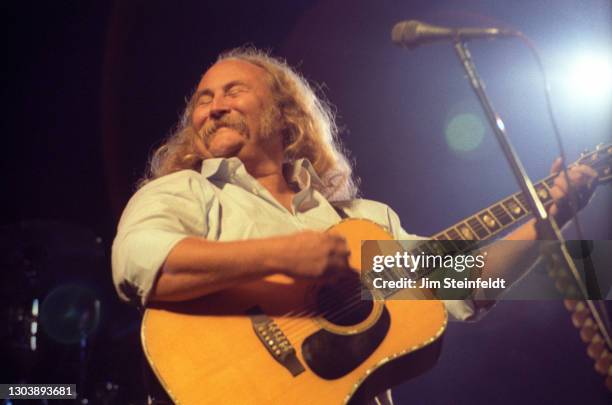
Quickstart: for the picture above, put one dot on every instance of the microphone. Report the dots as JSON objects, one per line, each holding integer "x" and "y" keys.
{"x": 411, "y": 34}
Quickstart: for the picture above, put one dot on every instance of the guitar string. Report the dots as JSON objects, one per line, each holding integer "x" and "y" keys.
{"x": 307, "y": 311}
{"x": 303, "y": 331}
{"x": 341, "y": 310}
{"x": 303, "y": 328}
{"x": 311, "y": 309}
{"x": 353, "y": 301}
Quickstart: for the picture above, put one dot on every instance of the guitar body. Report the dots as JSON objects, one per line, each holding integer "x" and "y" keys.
{"x": 282, "y": 341}
{"x": 278, "y": 340}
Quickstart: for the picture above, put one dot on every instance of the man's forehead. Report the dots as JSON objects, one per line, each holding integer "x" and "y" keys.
{"x": 231, "y": 70}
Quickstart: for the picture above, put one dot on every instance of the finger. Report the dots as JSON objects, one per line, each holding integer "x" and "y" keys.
{"x": 587, "y": 171}
{"x": 339, "y": 262}
{"x": 581, "y": 176}
{"x": 340, "y": 244}
{"x": 556, "y": 166}
{"x": 337, "y": 237}
{"x": 578, "y": 175}
{"x": 560, "y": 186}
{"x": 342, "y": 252}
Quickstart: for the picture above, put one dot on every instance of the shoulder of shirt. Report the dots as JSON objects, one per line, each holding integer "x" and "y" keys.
{"x": 179, "y": 179}
{"x": 185, "y": 183}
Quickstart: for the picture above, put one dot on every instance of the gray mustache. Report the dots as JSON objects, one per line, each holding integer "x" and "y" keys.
{"x": 236, "y": 123}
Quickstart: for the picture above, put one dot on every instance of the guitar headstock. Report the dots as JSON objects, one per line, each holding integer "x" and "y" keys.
{"x": 599, "y": 160}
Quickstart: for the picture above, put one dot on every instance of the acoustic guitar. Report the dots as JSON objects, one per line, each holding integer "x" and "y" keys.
{"x": 284, "y": 341}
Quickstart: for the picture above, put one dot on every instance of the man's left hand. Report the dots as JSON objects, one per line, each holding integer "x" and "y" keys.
{"x": 582, "y": 179}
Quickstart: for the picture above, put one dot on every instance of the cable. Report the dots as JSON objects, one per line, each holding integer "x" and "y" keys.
{"x": 570, "y": 188}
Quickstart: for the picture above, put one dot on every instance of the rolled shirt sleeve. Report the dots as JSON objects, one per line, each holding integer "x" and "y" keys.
{"x": 156, "y": 218}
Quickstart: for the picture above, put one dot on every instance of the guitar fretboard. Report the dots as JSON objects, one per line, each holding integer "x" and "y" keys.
{"x": 497, "y": 217}
{"x": 464, "y": 236}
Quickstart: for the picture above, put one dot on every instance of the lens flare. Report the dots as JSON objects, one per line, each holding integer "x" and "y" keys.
{"x": 464, "y": 132}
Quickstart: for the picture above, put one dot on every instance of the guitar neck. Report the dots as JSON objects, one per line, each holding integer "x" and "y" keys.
{"x": 498, "y": 217}
{"x": 489, "y": 222}
{"x": 483, "y": 225}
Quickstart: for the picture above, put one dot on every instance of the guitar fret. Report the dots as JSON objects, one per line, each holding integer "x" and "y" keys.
{"x": 425, "y": 248}
{"x": 543, "y": 193}
{"x": 453, "y": 234}
{"x": 514, "y": 208}
{"x": 451, "y": 247}
{"x": 439, "y": 248}
{"x": 454, "y": 238}
{"x": 478, "y": 228}
{"x": 501, "y": 214}
{"x": 466, "y": 231}
{"x": 462, "y": 244}
{"x": 521, "y": 198}
{"x": 490, "y": 221}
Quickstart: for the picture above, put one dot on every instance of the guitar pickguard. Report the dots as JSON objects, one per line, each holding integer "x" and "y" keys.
{"x": 331, "y": 356}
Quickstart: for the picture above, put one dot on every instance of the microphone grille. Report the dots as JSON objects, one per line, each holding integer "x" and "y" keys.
{"x": 404, "y": 32}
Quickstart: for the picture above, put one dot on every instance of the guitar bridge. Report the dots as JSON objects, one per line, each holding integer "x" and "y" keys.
{"x": 275, "y": 341}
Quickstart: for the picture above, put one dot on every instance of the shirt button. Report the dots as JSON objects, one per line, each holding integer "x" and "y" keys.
{"x": 255, "y": 191}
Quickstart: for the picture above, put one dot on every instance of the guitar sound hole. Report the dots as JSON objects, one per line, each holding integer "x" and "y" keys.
{"x": 341, "y": 302}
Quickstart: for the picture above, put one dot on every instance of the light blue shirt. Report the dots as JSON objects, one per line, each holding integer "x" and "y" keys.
{"x": 224, "y": 203}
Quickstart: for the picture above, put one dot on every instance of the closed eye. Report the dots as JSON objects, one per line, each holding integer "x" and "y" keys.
{"x": 236, "y": 90}
{"x": 204, "y": 99}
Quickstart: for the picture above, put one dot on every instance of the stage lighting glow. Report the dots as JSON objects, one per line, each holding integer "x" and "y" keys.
{"x": 464, "y": 132}
{"x": 590, "y": 77}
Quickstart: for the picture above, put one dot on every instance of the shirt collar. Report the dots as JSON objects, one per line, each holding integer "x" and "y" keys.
{"x": 300, "y": 172}
{"x": 220, "y": 168}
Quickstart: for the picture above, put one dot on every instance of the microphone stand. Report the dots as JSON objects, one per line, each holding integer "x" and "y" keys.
{"x": 545, "y": 225}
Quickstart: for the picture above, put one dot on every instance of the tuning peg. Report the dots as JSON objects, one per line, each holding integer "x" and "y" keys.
{"x": 579, "y": 317}
{"x": 588, "y": 330}
{"x": 596, "y": 346}
{"x": 604, "y": 362}
{"x": 580, "y": 307}
{"x": 572, "y": 292}
{"x": 570, "y": 304}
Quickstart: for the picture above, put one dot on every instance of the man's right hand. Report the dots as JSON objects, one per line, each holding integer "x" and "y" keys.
{"x": 311, "y": 254}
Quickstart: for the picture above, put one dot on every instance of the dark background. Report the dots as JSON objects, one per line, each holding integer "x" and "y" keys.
{"x": 91, "y": 87}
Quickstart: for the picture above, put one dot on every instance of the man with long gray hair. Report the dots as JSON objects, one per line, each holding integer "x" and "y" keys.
{"x": 246, "y": 186}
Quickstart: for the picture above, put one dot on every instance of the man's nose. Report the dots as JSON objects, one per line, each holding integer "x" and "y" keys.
{"x": 219, "y": 107}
